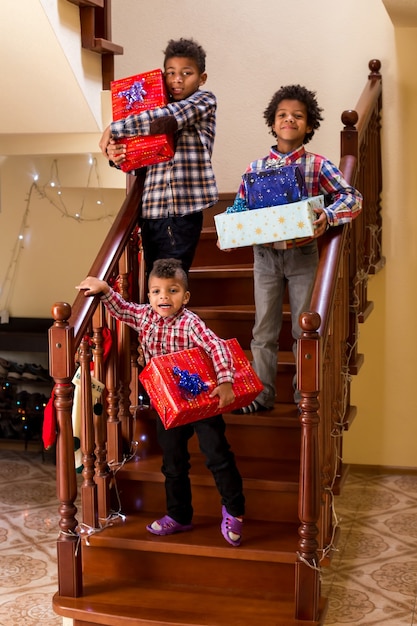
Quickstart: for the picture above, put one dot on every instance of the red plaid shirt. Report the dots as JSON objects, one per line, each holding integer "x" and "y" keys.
{"x": 162, "y": 335}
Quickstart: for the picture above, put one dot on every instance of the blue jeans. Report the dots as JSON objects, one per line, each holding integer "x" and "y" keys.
{"x": 219, "y": 460}
{"x": 273, "y": 270}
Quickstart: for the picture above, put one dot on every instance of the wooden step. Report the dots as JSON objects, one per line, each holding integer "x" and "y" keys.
{"x": 262, "y": 563}
{"x": 263, "y": 435}
{"x": 106, "y": 603}
{"x": 208, "y": 253}
{"x": 237, "y": 320}
{"x": 267, "y": 434}
{"x": 221, "y": 285}
{"x": 270, "y": 486}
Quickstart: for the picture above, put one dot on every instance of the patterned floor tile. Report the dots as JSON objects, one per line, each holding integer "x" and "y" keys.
{"x": 372, "y": 579}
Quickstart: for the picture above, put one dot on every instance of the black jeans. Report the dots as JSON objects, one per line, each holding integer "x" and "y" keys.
{"x": 171, "y": 238}
{"x": 219, "y": 460}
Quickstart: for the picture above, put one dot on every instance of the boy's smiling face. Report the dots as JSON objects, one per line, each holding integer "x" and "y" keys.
{"x": 167, "y": 295}
{"x": 290, "y": 125}
{"x": 183, "y": 77}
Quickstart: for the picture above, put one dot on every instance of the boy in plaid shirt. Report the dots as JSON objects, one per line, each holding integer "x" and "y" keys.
{"x": 176, "y": 191}
{"x": 292, "y": 115}
{"x": 163, "y": 326}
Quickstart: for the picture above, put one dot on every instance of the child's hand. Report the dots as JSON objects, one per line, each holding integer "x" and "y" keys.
{"x": 116, "y": 152}
{"x": 105, "y": 140}
{"x": 93, "y": 286}
{"x": 225, "y": 393}
{"x": 320, "y": 224}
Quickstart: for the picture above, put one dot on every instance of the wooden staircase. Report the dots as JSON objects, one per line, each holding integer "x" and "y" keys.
{"x": 111, "y": 571}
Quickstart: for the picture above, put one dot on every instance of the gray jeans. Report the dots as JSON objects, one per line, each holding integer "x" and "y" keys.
{"x": 273, "y": 270}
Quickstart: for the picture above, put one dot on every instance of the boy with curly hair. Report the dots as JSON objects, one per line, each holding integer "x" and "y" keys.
{"x": 176, "y": 191}
{"x": 293, "y": 115}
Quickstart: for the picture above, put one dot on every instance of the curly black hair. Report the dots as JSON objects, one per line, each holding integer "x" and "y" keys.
{"x": 169, "y": 268}
{"x": 295, "y": 92}
{"x": 186, "y": 48}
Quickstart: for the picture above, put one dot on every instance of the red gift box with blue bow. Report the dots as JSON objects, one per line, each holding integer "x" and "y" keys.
{"x": 135, "y": 94}
{"x": 179, "y": 384}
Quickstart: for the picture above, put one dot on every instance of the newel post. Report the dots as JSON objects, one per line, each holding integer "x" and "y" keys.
{"x": 349, "y": 140}
{"x": 307, "y": 571}
{"x": 61, "y": 368}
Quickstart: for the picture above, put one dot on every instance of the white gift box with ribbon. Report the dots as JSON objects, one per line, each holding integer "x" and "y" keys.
{"x": 275, "y": 223}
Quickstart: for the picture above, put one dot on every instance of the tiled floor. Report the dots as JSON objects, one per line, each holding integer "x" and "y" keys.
{"x": 28, "y": 531}
{"x": 372, "y": 580}
{"x": 373, "y": 577}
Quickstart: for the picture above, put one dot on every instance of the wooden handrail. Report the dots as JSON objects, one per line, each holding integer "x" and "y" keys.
{"x": 108, "y": 257}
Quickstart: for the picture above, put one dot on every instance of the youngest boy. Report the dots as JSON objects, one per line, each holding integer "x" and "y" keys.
{"x": 163, "y": 326}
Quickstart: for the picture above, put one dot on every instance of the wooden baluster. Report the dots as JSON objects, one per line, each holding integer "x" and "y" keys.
{"x": 61, "y": 367}
{"x": 114, "y": 426}
{"x": 124, "y": 357}
{"x": 134, "y": 283}
{"x": 88, "y": 488}
{"x": 307, "y": 564}
{"x": 102, "y": 476}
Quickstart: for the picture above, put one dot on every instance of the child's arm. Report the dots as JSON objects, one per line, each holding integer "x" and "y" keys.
{"x": 217, "y": 349}
{"x": 93, "y": 286}
{"x": 346, "y": 201}
{"x": 187, "y": 112}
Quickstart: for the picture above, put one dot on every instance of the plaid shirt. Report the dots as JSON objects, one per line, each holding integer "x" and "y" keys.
{"x": 162, "y": 335}
{"x": 185, "y": 184}
{"x": 343, "y": 202}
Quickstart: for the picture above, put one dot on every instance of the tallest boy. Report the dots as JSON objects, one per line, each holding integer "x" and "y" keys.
{"x": 176, "y": 191}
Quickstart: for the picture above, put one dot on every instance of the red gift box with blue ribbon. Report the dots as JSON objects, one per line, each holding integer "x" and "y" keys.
{"x": 135, "y": 94}
{"x": 179, "y": 384}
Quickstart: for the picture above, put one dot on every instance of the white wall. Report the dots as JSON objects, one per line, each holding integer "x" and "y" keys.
{"x": 253, "y": 47}
{"x": 56, "y": 250}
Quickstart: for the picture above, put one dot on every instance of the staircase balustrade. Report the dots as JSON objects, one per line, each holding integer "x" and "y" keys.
{"x": 327, "y": 357}
{"x": 327, "y": 350}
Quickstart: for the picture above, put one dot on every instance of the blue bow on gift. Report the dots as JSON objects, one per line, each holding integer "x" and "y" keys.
{"x": 191, "y": 384}
{"x": 136, "y": 93}
{"x": 238, "y": 205}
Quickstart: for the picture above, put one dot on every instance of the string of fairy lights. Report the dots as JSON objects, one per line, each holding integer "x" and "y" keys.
{"x": 52, "y": 192}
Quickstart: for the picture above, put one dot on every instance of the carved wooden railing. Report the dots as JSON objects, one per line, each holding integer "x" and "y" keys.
{"x": 327, "y": 350}
{"x": 327, "y": 357}
{"x": 68, "y": 344}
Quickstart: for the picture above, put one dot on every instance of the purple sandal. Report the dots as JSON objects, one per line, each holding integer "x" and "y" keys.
{"x": 168, "y": 526}
{"x": 229, "y": 525}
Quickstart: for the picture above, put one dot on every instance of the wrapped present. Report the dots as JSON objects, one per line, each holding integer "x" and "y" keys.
{"x": 179, "y": 384}
{"x": 277, "y": 223}
{"x": 135, "y": 94}
{"x": 274, "y": 186}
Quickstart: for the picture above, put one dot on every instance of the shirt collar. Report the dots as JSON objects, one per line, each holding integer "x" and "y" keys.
{"x": 289, "y": 157}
